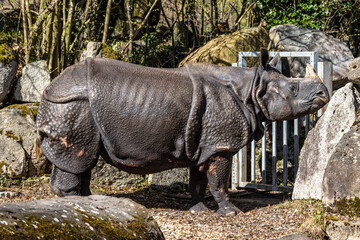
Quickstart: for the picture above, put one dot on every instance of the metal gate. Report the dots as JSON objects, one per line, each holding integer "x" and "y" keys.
{"x": 239, "y": 170}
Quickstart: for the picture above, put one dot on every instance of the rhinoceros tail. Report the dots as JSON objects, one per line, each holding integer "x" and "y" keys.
{"x": 38, "y": 151}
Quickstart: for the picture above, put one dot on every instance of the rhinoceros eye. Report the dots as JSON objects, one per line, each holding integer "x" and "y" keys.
{"x": 293, "y": 88}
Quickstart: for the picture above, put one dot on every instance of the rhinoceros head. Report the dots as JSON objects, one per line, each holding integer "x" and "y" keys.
{"x": 282, "y": 98}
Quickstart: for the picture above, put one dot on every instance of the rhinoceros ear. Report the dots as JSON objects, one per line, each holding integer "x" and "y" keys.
{"x": 264, "y": 58}
{"x": 275, "y": 60}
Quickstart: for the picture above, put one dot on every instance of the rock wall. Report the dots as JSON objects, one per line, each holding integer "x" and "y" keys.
{"x": 321, "y": 142}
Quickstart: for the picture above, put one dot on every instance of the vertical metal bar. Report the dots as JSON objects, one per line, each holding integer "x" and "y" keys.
{"x": 243, "y": 164}
{"x": 242, "y": 61}
{"x": 296, "y": 146}
{"x": 253, "y": 162}
{"x": 274, "y": 158}
{"x": 235, "y": 172}
{"x": 285, "y": 152}
{"x": 263, "y": 156}
{"x": 307, "y": 124}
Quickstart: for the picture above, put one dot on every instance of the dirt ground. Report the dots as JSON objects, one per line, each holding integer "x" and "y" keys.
{"x": 265, "y": 215}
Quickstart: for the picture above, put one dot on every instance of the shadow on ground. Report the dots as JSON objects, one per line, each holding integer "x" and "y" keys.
{"x": 168, "y": 198}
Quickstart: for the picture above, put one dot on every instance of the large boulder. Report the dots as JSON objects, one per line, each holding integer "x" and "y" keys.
{"x": 330, "y": 49}
{"x": 17, "y": 136}
{"x": 354, "y": 71}
{"x": 343, "y": 230}
{"x": 8, "y": 69}
{"x": 321, "y": 141}
{"x": 93, "y": 217}
{"x": 341, "y": 178}
{"x": 224, "y": 49}
{"x": 106, "y": 174}
{"x": 35, "y": 78}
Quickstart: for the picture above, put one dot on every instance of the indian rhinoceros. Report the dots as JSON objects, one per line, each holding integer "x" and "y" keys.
{"x": 145, "y": 120}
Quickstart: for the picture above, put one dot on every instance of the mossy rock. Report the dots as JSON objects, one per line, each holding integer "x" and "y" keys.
{"x": 6, "y": 54}
{"x": 224, "y": 49}
{"x": 27, "y": 109}
{"x": 350, "y": 207}
{"x": 93, "y": 217}
{"x": 108, "y": 52}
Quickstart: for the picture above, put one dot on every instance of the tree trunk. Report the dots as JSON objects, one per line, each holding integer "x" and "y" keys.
{"x": 25, "y": 23}
{"x": 107, "y": 20}
{"x": 84, "y": 26}
{"x": 54, "y": 50}
{"x": 28, "y": 14}
{"x": 131, "y": 29}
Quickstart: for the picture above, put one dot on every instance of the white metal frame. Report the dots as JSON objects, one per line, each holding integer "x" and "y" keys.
{"x": 239, "y": 171}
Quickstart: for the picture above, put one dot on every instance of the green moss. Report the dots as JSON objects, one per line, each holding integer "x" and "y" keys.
{"x": 10, "y": 134}
{"x": 32, "y": 227}
{"x": 350, "y": 207}
{"x": 108, "y": 52}
{"x": 6, "y": 55}
{"x": 133, "y": 230}
{"x": 26, "y": 110}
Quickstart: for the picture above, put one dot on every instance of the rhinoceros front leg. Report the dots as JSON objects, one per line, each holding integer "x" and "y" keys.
{"x": 218, "y": 174}
{"x": 63, "y": 183}
{"x": 198, "y": 184}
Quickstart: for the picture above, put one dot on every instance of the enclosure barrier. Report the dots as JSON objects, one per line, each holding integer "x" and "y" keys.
{"x": 239, "y": 169}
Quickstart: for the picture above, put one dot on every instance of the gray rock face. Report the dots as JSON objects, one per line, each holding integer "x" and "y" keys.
{"x": 320, "y": 144}
{"x": 173, "y": 177}
{"x": 17, "y": 135}
{"x": 93, "y": 49}
{"x": 93, "y": 217}
{"x": 330, "y": 49}
{"x": 354, "y": 71}
{"x": 7, "y": 76}
{"x": 342, "y": 178}
{"x": 109, "y": 175}
{"x": 35, "y": 78}
{"x": 339, "y": 230}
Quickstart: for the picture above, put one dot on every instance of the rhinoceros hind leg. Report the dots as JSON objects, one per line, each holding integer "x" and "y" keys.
{"x": 85, "y": 183}
{"x": 198, "y": 184}
{"x": 63, "y": 183}
{"x": 218, "y": 175}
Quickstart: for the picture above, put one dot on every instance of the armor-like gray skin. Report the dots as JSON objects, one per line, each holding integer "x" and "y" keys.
{"x": 145, "y": 120}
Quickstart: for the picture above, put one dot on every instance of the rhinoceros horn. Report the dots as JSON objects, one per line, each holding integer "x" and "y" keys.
{"x": 310, "y": 72}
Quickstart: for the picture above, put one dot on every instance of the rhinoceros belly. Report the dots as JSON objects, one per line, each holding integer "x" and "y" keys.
{"x": 141, "y": 114}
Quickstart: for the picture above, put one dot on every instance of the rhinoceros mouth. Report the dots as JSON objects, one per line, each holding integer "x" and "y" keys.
{"x": 323, "y": 99}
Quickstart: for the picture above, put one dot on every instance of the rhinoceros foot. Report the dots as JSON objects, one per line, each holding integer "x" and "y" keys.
{"x": 227, "y": 208}
{"x": 199, "y": 207}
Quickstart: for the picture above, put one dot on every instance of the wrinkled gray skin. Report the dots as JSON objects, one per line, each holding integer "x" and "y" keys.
{"x": 145, "y": 120}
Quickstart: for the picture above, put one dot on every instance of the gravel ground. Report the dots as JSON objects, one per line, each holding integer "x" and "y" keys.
{"x": 263, "y": 216}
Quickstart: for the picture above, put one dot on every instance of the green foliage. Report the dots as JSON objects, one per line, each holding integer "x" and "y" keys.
{"x": 7, "y": 37}
{"x": 311, "y": 13}
{"x": 142, "y": 181}
{"x": 6, "y": 54}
